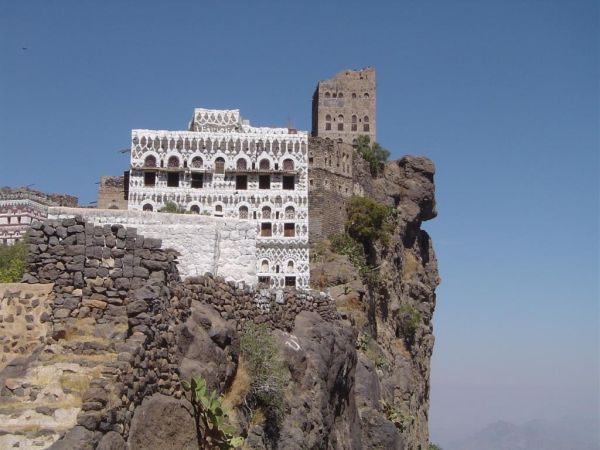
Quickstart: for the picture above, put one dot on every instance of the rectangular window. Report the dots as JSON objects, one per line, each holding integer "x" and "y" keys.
{"x": 290, "y": 281}
{"x": 288, "y": 182}
{"x": 327, "y": 126}
{"x": 149, "y": 178}
{"x": 354, "y": 127}
{"x": 173, "y": 179}
{"x": 264, "y": 181}
{"x": 289, "y": 230}
{"x": 197, "y": 180}
{"x": 265, "y": 281}
{"x": 265, "y": 229}
{"x": 241, "y": 182}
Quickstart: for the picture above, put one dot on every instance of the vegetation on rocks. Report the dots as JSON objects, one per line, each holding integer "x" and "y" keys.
{"x": 267, "y": 372}
{"x": 12, "y": 262}
{"x": 410, "y": 318}
{"x": 210, "y": 417}
{"x": 369, "y": 221}
{"x": 374, "y": 153}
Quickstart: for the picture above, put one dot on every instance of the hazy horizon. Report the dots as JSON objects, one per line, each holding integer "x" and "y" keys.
{"x": 502, "y": 96}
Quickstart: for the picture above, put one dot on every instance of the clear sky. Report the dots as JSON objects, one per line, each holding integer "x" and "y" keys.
{"x": 503, "y": 96}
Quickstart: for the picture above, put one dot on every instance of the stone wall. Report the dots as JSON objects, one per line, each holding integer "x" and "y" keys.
{"x": 223, "y": 247}
{"x": 275, "y": 308}
{"x": 21, "y": 327}
{"x": 336, "y": 174}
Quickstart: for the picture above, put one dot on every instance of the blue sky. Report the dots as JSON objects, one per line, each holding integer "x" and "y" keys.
{"x": 503, "y": 96}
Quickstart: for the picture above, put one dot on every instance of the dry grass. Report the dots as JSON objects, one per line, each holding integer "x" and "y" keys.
{"x": 353, "y": 305}
{"x": 74, "y": 382}
{"x": 240, "y": 387}
{"x": 409, "y": 267}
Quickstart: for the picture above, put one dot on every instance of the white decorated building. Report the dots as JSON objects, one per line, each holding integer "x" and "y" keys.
{"x": 223, "y": 167}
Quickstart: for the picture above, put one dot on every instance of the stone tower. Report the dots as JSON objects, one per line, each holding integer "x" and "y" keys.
{"x": 343, "y": 107}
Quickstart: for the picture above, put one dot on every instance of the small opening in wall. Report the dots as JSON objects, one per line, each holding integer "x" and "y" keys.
{"x": 310, "y": 160}
{"x": 149, "y": 178}
{"x": 264, "y": 181}
{"x": 254, "y": 215}
{"x": 289, "y": 230}
{"x": 197, "y": 180}
{"x": 173, "y": 179}
{"x": 266, "y": 230}
{"x": 276, "y": 214}
{"x": 241, "y": 182}
{"x": 288, "y": 182}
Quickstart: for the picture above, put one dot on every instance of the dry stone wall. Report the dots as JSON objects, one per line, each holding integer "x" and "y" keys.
{"x": 223, "y": 247}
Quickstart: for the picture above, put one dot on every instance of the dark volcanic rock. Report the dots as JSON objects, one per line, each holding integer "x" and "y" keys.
{"x": 162, "y": 423}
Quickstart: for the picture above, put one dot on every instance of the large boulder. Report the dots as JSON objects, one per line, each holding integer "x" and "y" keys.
{"x": 162, "y": 423}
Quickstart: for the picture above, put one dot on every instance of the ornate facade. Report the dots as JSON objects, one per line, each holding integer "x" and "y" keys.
{"x": 223, "y": 167}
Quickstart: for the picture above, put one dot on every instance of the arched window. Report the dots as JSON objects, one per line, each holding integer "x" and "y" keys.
{"x": 264, "y": 164}
{"x": 173, "y": 161}
{"x": 197, "y": 162}
{"x": 327, "y": 95}
{"x": 150, "y": 161}
{"x": 327, "y": 122}
{"x": 147, "y": 207}
{"x": 366, "y": 126}
{"x": 290, "y": 212}
{"x": 195, "y": 209}
{"x": 341, "y": 95}
{"x": 354, "y": 95}
{"x": 243, "y": 212}
{"x": 340, "y": 126}
{"x": 288, "y": 164}
{"x": 266, "y": 212}
{"x": 328, "y": 118}
{"x": 366, "y": 95}
{"x": 241, "y": 164}
{"x": 219, "y": 165}
{"x": 264, "y": 266}
{"x": 290, "y": 267}
{"x": 354, "y": 123}
{"x": 219, "y": 211}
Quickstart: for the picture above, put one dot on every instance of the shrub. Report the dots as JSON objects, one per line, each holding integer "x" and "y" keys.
{"x": 12, "y": 262}
{"x": 400, "y": 420}
{"x": 410, "y": 318}
{"x": 267, "y": 371}
{"x": 172, "y": 208}
{"x": 369, "y": 221}
{"x": 374, "y": 154}
{"x": 210, "y": 416}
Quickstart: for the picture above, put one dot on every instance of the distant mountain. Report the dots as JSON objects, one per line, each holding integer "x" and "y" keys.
{"x": 567, "y": 434}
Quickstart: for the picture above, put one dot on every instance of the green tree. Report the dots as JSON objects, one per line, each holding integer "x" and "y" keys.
{"x": 374, "y": 153}
{"x": 369, "y": 221}
{"x": 12, "y": 261}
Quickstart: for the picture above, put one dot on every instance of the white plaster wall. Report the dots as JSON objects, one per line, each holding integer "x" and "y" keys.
{"x": 223, "y": 247}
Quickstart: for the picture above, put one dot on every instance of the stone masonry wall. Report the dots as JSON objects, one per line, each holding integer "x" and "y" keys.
{"x": 223, "y": 247}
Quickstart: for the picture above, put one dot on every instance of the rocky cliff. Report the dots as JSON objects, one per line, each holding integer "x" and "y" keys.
{"x": 121, "y": 331}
